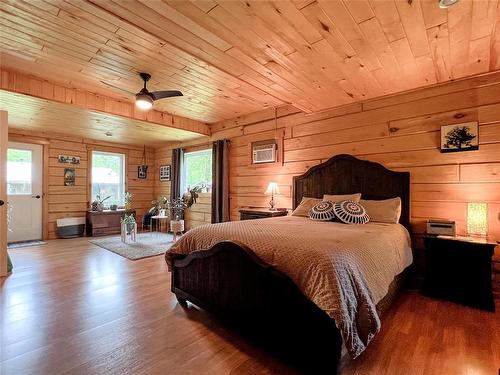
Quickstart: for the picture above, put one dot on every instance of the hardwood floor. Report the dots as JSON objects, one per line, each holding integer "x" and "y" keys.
{"x": 72, "y": 307}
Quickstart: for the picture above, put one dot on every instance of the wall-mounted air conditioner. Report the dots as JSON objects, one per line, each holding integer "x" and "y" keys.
{"x": 264, "y": 152}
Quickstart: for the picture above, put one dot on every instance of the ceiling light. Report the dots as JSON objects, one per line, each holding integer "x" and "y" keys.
{"x": 443, "y": 4}
{"x": 143, "y": 101}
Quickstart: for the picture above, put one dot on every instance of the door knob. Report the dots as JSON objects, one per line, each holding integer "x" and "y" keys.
{"x": 36, "y": 196}
{"x": 2, "y": 202}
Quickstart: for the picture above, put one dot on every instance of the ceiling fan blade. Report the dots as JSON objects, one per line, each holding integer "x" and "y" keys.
{"x": 118, "y": 88}
{"x": 165, "y": 94}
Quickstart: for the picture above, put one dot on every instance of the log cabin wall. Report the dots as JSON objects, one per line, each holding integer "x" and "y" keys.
{"x": 72, "y": 201}
{"x": 401, "y": 131}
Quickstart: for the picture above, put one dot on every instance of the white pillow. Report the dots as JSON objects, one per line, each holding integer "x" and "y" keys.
{"x": 383, "y": 211}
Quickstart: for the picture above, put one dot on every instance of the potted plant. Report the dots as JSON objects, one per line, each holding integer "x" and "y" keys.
{"x": 129, "y": 220}
{"x": 177, "y": 206}
{"x": 128, "y": 200}
{"x": 98, "y": 203}
{"x": 192, "y": 195}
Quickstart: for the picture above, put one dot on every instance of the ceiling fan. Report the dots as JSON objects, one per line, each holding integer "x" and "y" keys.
{"x": 144, "y": 99}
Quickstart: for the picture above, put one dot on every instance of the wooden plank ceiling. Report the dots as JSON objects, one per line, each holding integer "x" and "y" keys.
{"x": 235, "y": 57}
{"x": 48, "y": 117}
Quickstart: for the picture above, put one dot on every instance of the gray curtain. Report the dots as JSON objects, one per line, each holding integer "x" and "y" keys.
{"x": 176, "y": 173}
{"x": 220, "y": 181}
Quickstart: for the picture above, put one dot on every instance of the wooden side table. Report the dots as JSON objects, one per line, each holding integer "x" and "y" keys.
{"x": 177, "y": 226}
{"x": 260, "y": 213}
{"x": 459, "y": 269}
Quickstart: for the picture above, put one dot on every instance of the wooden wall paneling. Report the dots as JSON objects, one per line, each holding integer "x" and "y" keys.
{"x": 72, "y": 201}
{"x": 403, "y": 135}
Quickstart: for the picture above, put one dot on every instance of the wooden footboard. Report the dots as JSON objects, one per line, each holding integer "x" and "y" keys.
{"x": 231, "y": 281}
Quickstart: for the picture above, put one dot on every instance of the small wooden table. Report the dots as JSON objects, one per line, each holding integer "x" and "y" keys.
{"x": 260, "y": 213}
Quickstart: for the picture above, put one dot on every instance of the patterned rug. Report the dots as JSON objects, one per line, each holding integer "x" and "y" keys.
{"x": 147, "y": 245}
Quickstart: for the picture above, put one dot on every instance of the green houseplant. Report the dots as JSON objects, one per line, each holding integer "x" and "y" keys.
{"x": 98, "y": 203}
{"x": 129, "y": 220}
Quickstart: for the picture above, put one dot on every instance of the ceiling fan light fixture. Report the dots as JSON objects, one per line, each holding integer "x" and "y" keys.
{"x": 443, "y": 4}
{"x": 143, "y": 101}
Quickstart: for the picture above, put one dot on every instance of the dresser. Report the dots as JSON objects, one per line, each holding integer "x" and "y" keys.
{"x": 105, "y": 222}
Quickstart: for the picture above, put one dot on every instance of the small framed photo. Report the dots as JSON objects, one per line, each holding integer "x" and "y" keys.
{"x": 69, "y": 176}
{"x": 142, "y": 171}
{"x": 460, "y": 137}
{"x": 164, "y": 172}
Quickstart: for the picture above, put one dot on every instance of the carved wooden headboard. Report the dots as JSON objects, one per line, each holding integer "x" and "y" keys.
{"x": 345, "y": 174}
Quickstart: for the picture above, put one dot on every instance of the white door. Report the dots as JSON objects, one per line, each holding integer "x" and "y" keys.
{"x": 24, "y": 191}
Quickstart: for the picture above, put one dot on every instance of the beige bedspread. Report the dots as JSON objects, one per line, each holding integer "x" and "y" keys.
{"x": 344, "y": 269}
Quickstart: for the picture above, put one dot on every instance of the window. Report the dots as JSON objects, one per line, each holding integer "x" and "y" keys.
{"x": 18, "y": 171}
{"x": 108, "y": 177}
{"x": 197, "y": 170}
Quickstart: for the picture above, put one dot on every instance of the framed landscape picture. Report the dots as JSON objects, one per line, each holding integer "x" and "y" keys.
{"x": 164, "y": 172}
{"x": 69, "y": 177}
{"x": 460, "y": 137}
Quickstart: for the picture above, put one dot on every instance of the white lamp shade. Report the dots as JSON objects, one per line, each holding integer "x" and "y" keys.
{"x": 477, "y": 219}
{"x": 272, "y": 188}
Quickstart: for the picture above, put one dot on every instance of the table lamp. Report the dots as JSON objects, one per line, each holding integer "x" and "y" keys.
{"x": 477, "y": 219}
{"x": 271, "y": 190}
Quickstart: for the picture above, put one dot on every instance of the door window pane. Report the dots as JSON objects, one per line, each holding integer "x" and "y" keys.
{"x": 19, "y": 171}
{"x": 108, "y": 177}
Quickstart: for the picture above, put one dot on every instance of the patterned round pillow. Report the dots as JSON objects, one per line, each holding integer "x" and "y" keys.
{"x": 350, "y": 212}
{"x": 322, "y": 211}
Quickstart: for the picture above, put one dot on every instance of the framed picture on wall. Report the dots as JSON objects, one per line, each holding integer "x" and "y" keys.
{"x": 164, "y": 172}
{"x": 142, "y": 171}
{"x": 69, "y": 176}
{"x": 460, "y": 137}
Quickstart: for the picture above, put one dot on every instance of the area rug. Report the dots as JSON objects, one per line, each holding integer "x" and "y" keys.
{"x": 147, "y": 245}
{"x": 17, "y": 245}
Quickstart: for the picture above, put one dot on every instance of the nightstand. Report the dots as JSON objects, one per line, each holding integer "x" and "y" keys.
{"x": 260, "y": 213}
{"x": 459, "y": 269}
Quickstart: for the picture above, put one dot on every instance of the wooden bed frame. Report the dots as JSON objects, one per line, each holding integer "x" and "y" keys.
{"x": 233, "y": 283}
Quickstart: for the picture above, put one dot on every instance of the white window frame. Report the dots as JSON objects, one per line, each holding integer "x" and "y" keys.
{"x": 123, "y": 176}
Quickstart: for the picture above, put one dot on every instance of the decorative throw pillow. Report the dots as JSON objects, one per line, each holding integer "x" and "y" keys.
{"x": 350, "y": 212}
{"x": 323, "y": 211}
{"x": 342, "y": 197}
{"x": 383, "y": 211}
{"x": 305, "y": 206}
